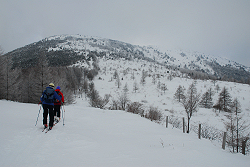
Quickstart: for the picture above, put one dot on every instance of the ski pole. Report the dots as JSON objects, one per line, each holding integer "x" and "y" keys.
{"x": 64, "y": 114}
{"x": 61, "y": 110}
{"x": 38, "y": 114}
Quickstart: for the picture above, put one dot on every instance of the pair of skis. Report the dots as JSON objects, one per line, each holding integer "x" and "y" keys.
{"x": 46, "y": 130}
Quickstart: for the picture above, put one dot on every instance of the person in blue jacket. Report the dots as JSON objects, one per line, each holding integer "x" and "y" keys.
{"x": 47, "y": 99}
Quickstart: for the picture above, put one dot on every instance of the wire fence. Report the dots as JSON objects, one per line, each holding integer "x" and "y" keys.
{"x": 206, "y": 131}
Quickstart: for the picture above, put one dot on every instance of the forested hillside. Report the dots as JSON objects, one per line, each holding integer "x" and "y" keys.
{"x": 67, "y": 60}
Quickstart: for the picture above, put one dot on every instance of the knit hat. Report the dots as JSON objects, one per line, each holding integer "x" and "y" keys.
{"x": 51, "y": 85}
{"x": 58, "y": 87}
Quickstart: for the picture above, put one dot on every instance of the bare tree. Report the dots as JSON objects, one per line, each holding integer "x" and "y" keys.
{"x": 231, "y": 129}
{"x": 153, "y": 79}
{"x": 237, "y": 127}
{"x": 125, "y": 89}
{"x": 159, "y": 84}
{"x": 93, "y": 95}
{"x": 143, "y": 77}
{"x": 123, "y": 98}
{"x": 133, "y": 76}
{"x": 164, "y": 87}
{"x": 1, "y": 51}
{"x": 114, "y": 105}
{"x": 217, "y": 88}
{"x": 12, "y": 81}
{"x": 85, "y": 86}
{"x": 236, "y": 108}
{"x": 115, "y": 74}
{"x": 118, "y": 82}
{"x": 190, "y": 102}
{"x": 3, "y": 69}
{"x": 170, "y": 77}
{"x": 135, "y": 87}
{"x": 210, "y": 92}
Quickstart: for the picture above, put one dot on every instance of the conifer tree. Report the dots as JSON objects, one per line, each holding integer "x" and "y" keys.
{"x": 164, "y": 87}
{"x": 224, "y": 101}
{"x": 135, "y": 86}
{"x": 125, "y": 89}
{"x": 143, "y": 77}
{"x": 179, "y": 94}
{"x": 153, "y": 79}
{"x": 115, "y": 74}
{"x": 206, "y": 100}
{"x": 85, "y": 86}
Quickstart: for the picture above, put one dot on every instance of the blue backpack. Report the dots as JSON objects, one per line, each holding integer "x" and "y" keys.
{"x": 49, "y": 95}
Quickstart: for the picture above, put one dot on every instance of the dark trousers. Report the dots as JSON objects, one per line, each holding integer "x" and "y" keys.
{"x": 57, "y": 110}
{"x": 48, "y": 109}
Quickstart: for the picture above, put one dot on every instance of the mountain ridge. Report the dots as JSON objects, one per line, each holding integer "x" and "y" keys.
{"x": 66, "y": 50}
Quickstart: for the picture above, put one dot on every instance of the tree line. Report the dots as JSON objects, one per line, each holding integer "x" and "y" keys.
{"x": 26, "y": 84}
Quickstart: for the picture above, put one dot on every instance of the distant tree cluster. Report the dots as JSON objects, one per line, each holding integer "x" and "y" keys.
{"x": 237, "y": 128}
{"x": 122, "y": 101}
{"x": 95, "y": 100}
{"x": 27, "y": 84}
{"x": 2, "y": 74}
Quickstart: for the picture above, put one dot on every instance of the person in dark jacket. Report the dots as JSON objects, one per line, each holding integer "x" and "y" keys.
{"x": 47, "y": 100}
{"x": 57, "y": 104}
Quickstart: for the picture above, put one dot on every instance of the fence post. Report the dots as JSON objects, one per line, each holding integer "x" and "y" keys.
{"x": 199, "y": 133}
{"x": 183, "y": 120}
{"x": 244, "y": 145}
{"x": 167, "y": 122}
{"x": 224, "y": 141}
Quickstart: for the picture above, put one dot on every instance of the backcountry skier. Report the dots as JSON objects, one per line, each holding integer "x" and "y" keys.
{"x": 58, "y": 103}
{"x": 47, "y": 99}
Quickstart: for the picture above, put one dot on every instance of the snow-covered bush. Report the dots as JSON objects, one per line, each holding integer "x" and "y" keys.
{"x": 136, "y": 108}
{"x": 154, "y": 114}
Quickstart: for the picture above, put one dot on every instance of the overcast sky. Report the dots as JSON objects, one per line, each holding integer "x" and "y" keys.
{"x": 214, "y": 27}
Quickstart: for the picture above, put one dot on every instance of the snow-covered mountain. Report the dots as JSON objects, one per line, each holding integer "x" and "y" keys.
{"x": 72, "y": 49}
{"x": 169, "y": 69}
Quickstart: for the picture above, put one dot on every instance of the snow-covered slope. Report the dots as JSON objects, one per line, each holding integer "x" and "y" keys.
{"x": 94, "y": 137}
{"x": 150, "y": 94}
{"x": 179, "y": 58}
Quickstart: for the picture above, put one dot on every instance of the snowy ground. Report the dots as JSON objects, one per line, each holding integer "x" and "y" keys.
{"x": 95, "y": 137}
{"x": 150, "y": 95}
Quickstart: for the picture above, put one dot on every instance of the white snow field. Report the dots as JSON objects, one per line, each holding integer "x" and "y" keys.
{"x": 95, "y": 137}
